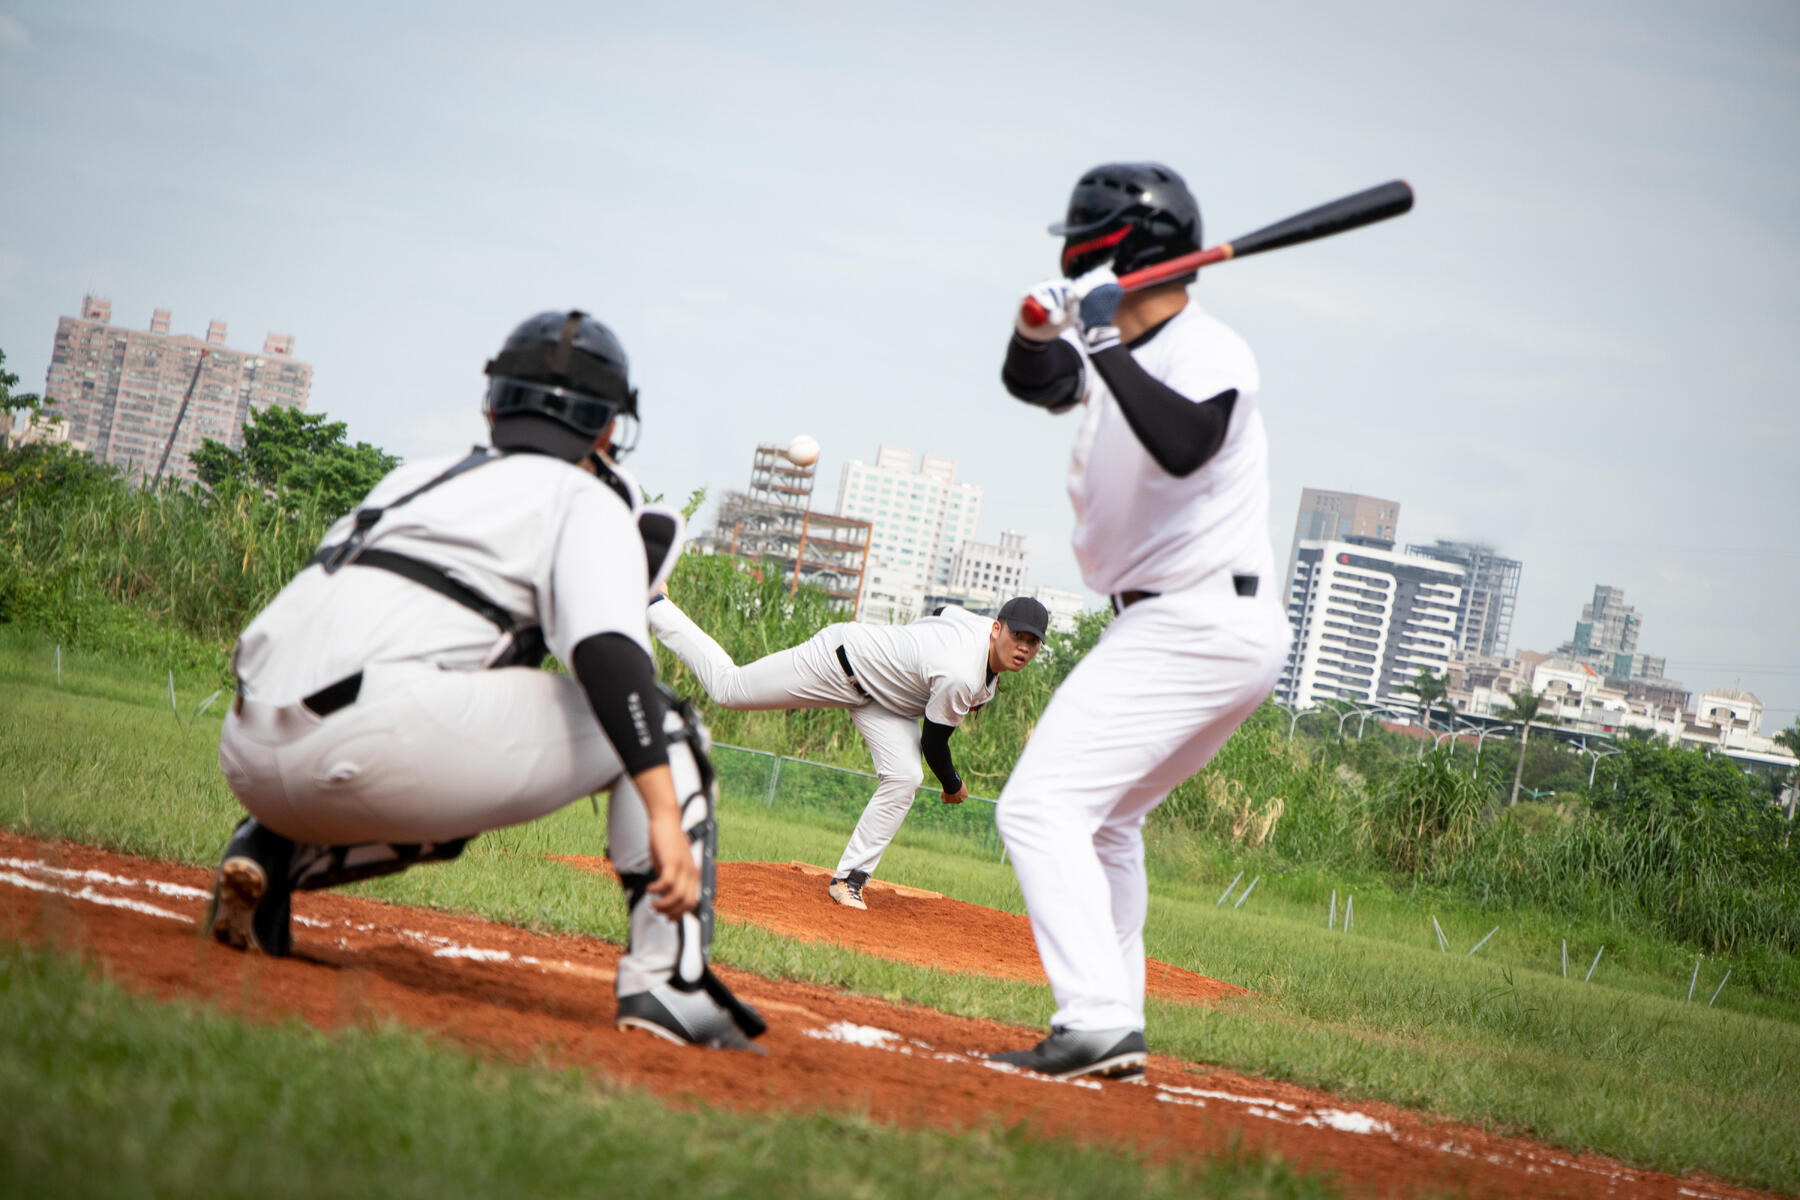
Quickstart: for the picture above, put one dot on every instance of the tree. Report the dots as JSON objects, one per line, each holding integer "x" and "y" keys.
{"x": 1523, "y": 711}
{"x": 1430, "y": 690}
{"x": 296, "y": 453}
{"x": 12, "y": 403}
{"x": 1790, "y": 737}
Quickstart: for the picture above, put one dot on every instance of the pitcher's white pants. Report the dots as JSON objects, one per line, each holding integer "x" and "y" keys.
{"x": 810, "y": 676}
{"x": 1149, "y": 706}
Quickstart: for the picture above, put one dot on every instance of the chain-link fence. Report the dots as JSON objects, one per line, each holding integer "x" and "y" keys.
{"x": 834, "y": 797}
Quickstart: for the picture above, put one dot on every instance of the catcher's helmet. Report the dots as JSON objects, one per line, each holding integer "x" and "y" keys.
{"x": 1131, "y": 214}
{"x": 557, "y": 383}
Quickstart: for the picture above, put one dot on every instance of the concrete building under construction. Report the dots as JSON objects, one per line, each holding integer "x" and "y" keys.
{"x": 772, "y": 525}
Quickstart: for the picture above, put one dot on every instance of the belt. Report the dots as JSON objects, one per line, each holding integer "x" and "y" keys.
{"x": 334, "y": 696}
{"x": 1244, "y": 585}
{"x": 850, "y": 671}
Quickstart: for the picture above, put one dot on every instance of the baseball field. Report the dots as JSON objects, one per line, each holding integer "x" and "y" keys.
{"x": 447, "y": 1031}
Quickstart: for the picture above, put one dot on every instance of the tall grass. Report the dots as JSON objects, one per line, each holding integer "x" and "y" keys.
{"x": 99, "y": 565}
{"x": 1669, "y": 841}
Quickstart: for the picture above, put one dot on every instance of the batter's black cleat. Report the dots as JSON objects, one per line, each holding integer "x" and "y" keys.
{"x": 685, "y": 1018}
{"x": 249, "y": 909}
{"x": 1071, "y": 1053}
{"x": 848, "y": 890}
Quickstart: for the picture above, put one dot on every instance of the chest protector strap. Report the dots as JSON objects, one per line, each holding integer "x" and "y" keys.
{"x": 527, "y": 647}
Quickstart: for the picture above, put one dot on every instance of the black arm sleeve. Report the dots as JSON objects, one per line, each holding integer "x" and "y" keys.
{"x": 620, "y": 682}
{"x": 1180, "y": 434}
{"x": 1047, "y": 374}
{"x": 934, "y": 741}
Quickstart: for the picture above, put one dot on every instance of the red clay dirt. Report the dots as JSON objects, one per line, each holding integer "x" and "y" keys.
{"x": 520, "y": 996}
{"x": 904, "y": 924}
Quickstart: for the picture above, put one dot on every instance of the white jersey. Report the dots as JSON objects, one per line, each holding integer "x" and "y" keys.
{"x": 544, "y": 540}
{"x": 1137, "y": 527}
{"x": 936, "y": 667}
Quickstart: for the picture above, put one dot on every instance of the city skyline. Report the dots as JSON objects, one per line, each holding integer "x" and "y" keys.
{"x": 779, "y": 243}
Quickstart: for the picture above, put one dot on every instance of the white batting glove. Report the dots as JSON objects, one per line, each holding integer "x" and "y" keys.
{"x": 1045, "y": 312}
{"x": 1095, "y": 298}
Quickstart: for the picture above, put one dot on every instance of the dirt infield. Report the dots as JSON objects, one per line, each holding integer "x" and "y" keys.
{"x": 904, "y": 924}
{"x": 517, "y": 995}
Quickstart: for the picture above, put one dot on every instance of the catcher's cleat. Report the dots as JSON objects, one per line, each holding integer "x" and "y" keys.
{"x": 848, "y": 890}
{"x": 249, "y": 909}
{"x": 1070, "y": 1053}
{"x": 685, "y": 1018}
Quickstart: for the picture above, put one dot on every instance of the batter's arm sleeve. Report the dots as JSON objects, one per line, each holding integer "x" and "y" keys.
{"x": 1047, "y": 374}
{"x": 620, "y": 681}
{"x": 1180, "y": 434}
{"x": 934, "y": 742}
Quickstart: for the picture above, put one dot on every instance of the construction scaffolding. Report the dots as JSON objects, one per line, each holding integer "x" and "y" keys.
{"x": 772, "y": 526}
{"x": 778, "y": 483}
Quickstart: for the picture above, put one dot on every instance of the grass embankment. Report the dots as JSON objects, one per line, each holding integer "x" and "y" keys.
{"x": 107, "y": 1094}
{"x": 1621, "y": 1065}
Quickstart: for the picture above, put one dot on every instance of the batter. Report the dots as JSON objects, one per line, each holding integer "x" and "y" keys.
{"x": 1169, "y": 481}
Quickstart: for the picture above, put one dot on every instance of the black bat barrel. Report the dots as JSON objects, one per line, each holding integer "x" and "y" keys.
{"x": 1352, "y": 212}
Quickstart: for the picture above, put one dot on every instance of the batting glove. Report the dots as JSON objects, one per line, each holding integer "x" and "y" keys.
{"x": 1045, "y": 312}
{"x": 1096, "y": 297}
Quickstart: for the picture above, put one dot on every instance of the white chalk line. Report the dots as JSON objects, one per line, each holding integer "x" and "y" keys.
{"x": 843, "y": 1032}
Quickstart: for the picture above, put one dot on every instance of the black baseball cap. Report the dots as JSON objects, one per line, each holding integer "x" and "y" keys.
{"x": 1022, "y": 614}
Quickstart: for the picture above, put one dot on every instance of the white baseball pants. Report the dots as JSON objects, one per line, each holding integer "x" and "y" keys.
{"x": 810, "y": 676}
{"x": 426, "y": 755}
{"x": 1149, "y": 706}
{"x": 423, "y": 755}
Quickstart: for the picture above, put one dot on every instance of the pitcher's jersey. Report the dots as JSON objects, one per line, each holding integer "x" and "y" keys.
{"x": 540, "y": 538}
{"x": 936, "y": 667}
{"x": 1137, "y": 527}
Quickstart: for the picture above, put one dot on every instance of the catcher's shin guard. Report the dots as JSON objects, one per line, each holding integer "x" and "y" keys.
{"x": 664, "y": 952}
{"x": 318, "y": 867}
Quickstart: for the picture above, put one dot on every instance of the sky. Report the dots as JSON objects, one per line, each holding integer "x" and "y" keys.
{"x": 819, "y": 218}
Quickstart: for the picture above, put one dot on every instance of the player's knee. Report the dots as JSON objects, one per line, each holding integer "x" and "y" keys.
{"x": 903, "y": 781}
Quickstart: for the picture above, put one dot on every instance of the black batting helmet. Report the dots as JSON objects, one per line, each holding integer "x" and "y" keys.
{"x": 1131, "y": 215}
{"x": 557, "y": 383}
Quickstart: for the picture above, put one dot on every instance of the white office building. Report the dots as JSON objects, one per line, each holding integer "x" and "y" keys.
{"x": 997, "y": 569}
{"x": 1366, "y": 621}
{"x": 921, "y": 517}
{"x": 891, "y": 595}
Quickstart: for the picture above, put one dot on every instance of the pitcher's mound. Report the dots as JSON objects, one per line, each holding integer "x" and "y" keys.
{"x": 904, "y": 924}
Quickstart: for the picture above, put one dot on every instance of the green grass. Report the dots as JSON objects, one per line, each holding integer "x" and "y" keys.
{"x": 1620, "y": 1065}
{"x": 111, "y": 1095}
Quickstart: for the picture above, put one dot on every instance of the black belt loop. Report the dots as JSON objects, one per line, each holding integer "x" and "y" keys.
{"x": 334, "y": 696}
{"x": 1245, "y": 585}
{"x": 850, "y": 671}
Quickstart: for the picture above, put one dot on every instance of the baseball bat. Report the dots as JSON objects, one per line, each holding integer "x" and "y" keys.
{"x": 1350, "y": 212}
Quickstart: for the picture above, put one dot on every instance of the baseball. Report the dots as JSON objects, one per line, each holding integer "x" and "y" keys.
{"x": 803, "y": 451}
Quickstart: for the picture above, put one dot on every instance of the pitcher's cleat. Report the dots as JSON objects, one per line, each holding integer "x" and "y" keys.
{"x": 1070, "y": 1053}
{"x": 848, "y": 890}
{"x": 250, "y": 902}
{"x": 685, "y": 1018}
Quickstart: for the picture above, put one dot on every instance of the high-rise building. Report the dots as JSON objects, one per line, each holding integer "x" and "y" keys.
{"x": 994, "y": 570}
{"x": 1366, "y": 621}
{"x": 1331, "y": 516}
{"x": 920, "y": 518}
{"x": 1488, "y": 597}
{"x": 1608, "y": 625}
{"x": 1606, "y": 638}
{"x": 144, "y": 400}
